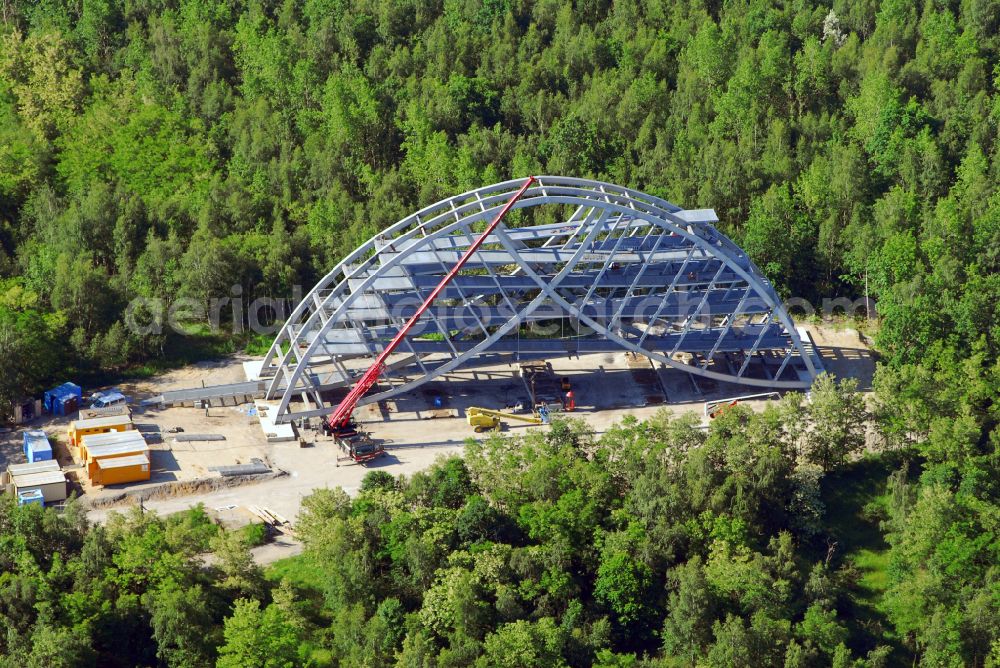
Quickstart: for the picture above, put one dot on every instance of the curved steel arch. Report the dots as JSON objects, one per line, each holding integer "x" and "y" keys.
{"x": 625, "y": 270}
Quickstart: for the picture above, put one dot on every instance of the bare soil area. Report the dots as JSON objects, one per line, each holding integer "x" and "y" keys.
{"x": 845, "y": 353}
{"x": 417, "y": 428}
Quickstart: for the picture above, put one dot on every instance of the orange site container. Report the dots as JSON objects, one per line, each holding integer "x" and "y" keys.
{"x": 118, "y": 470}
{"x": 95, "y": 454}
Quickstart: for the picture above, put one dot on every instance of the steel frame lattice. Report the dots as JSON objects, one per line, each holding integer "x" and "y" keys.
{"x": 624, "y": 271}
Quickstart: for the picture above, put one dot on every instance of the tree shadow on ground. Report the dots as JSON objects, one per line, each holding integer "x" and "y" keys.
{"x": 854, "y": 497}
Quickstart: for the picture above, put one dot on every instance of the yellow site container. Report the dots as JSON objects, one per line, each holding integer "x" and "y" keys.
{"x": 98, "y": 425}
{"x": 119, "y": 470}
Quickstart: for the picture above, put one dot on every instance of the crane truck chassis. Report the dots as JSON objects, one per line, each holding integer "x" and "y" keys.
{"x": 358, "y": 445}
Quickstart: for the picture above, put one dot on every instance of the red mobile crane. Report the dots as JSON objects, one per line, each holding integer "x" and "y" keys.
{"x": 340, "y": 420}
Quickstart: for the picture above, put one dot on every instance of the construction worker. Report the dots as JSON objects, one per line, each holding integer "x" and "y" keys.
{"x": 543, "y": 413}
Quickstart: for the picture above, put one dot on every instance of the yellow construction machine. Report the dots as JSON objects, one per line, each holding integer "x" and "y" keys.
{"x": 484, "y": 419}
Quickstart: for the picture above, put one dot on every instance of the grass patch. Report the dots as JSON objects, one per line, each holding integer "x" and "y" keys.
{"x": 846, "y": 493}
{"x": 259, "y": 344}
{"x": 874, "y": 571}
{"x": 852, "y": 496}
{"x": 199, "y": 343}
{"x": 307, "y": 579}
{"x": 301, "y": 570}
{"x": 321, "y": 657}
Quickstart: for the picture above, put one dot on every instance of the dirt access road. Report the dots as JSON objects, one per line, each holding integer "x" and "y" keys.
{"x": 606, "y": 391}
{"x": 308, "y": 469}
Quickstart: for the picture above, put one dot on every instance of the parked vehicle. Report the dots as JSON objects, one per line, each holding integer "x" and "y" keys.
{"x": 485, "y": 419}
{"x": 108, "y": 398}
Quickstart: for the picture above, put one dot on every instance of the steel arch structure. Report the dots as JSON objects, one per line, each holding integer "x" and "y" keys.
{"x": 619, "y": 270}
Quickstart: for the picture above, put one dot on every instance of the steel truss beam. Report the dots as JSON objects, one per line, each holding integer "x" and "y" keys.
{"x": 621, "y": 267}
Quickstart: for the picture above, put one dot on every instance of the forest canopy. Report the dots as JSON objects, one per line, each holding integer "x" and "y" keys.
{"x": 178, "y": 148}
{"x": 762, "y": 541}
{"x": 169, "y": 149}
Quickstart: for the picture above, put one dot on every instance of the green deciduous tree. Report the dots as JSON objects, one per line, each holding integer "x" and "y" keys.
{"x": 524, "y": 644}
{"x": 256, "y": 637}
{"x": 837, "y": 422}
{"x": 180, "y": 618}
{"x": 687, "y": 629}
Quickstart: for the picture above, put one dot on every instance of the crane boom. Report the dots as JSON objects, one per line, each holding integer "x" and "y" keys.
{"x": 342, "y": 414}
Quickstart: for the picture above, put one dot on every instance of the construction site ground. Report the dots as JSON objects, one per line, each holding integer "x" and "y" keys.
{"x": 417, "y": 428}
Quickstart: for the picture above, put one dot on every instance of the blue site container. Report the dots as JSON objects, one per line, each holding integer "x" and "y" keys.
{"x": 63, "y": 400}
{"x": 36, "y": 445}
